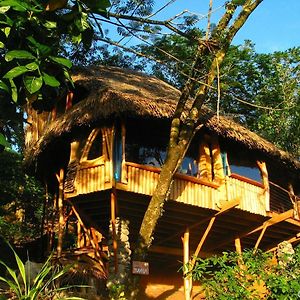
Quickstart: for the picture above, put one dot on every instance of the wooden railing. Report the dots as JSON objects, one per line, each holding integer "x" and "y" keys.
{"x": 93, "y": 176}
{"x": 251, "y": 193}
{"x": 186, "y": 189}
{"x": 141, "y": 179}
{"x": 194, "y": 191}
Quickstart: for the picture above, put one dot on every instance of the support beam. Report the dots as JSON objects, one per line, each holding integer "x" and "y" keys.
{"x": 187, "y": 283}
{"x": 113, "y": 200}
{"x": 86, "y": 231}
{"x": 291, "y": 240}
{"x": 273, "y": 220}
{"x": 225, "y": 208}
{"x": 175, "y": 251}
{"x": 203, "y": 238}
{"x": 61, "y": 222}
{"x": 238, "y": 246}
{"x": 260, "y": 238}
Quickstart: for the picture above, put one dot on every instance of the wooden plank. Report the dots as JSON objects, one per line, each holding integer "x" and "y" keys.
{"x": 187, "y": 283}
{"x": 274, "y": 220}
{"x": 203, "y": 238}
{"x": 113, "y": 200}
{"x": 177, "y": 175}
{"x": 226, "y": 207}
{"x": 175, "y": 251}
{"x": 260, "y": 238}
{"x": 246, "y": 179}
{"x": 291, "y": 240}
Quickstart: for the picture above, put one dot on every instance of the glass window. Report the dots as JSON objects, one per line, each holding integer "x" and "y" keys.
{"x": 244, "y": 167}
{"x": 96, "y": 148}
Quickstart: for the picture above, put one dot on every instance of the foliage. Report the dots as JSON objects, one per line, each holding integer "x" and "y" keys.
{"x": 248, "y": 276}
{"x": 32, "y": 64}
{"x": 21, "y": 200}
{"x": 262, "y": 80}
{"x": 41, "y": 287}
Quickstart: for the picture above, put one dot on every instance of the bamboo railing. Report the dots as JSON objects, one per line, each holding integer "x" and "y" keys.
{"x": 97, "y": 176}
{"x": 189, "y": 190}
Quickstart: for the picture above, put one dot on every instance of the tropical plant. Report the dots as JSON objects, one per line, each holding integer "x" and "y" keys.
{"x": 43, "y": 286}
{"x": 248, "y": 276}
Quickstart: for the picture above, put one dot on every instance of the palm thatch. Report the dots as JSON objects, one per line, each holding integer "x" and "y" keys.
{"x": 113, "y": 92}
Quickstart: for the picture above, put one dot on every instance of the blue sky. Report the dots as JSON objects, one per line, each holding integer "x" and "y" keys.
{"x": 274, "y": 26}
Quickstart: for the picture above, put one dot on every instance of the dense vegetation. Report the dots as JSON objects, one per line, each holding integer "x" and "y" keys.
{"x": 249, "y": 276}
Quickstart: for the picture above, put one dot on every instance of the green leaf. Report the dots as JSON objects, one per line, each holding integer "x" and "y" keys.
{"x": 6, "y": 31}
{"x": 61, "y": 61}
{"x": 1, "y": 45}
{"x": 50, "y": 80}
{"x": 3, "y": 141}
{"x": 32, "y": 66}
{"x": 4, "y": 9}
{"x": 18, "y": 54}
{"x": 44, "y": 49}
{"x": 238, "y": 2}
{"x": 33, "y": 83}
{"x": 50, "y": 24}
{"x": 14, "y": 91}
{"x": 14, "y": 4}
{"x": 67, "y": 76}
{"x": 19, "y": 5}
{"x": 3, "y": 86}
{"x": 15, "y": 72}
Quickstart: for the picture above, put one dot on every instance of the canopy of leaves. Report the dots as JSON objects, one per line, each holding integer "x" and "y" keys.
{"x": 32, "y": 66}
{"x": 260, "y": 90}
{"x": 249, "y": 276}
{"x": 21, "y": 200}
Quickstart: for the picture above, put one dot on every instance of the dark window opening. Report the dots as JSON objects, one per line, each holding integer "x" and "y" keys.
{"x": 96, "y": 148}
{"x": 146, "y": 143}
{"x": 244, "y": 167}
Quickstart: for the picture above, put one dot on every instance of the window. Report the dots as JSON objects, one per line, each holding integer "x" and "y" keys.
{"x": 96, "y": 148}
{"x": 244, "y": 166}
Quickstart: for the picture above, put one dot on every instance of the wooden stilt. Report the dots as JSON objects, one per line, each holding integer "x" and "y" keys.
{"x": 210, "y": 224}
{"x": 79, "y": 235}
{"x": 113, "y": 199}
{"x": 86, "y": 231}
{"x": 187, "y": 282}
{"x": 238, "y": 247}
{"x": 260, "y": 238}
{"x": 60, "y": 212}
{"x": 53, "y": 218}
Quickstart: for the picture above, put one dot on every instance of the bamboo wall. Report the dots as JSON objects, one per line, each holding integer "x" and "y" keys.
{"x": 188, "y": 190}
{"x": 92, "y": 178}
{"x": 251, "y": 196}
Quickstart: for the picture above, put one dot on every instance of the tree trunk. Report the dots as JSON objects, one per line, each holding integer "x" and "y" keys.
{"x": 183, "y": 127}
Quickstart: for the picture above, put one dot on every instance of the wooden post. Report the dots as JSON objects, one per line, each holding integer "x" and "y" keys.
{"x": 264, "y": 174}
{"x": 187, "y": 279}
{"x": 53, "y": 218}
{"x": 60, "y": 212}
{"x": 238, "y": 247}
{"x": 197, "y": 251}
{"x": 113, "y": 199}
{"x": 294, "y": 200}
{"x": 79, "y": 235}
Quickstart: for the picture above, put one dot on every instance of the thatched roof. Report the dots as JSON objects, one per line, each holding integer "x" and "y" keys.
{"x": 114, "y": 92}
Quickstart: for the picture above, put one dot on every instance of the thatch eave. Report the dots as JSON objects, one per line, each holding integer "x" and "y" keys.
{"x": 117, "y": 93}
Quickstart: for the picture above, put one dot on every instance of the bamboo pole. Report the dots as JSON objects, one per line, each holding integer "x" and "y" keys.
{"x": 86, "y": 231}
{"x": 113, "y": 200}
{"x": 210, "y": 224}
{"x": 187, "y": 282}
{"x": 60, "y": 212}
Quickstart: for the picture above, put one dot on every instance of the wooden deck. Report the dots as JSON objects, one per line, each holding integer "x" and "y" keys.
{"x": 94, "y": 176}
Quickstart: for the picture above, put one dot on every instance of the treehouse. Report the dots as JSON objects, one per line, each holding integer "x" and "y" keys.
{"x": 101, "y": 153}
